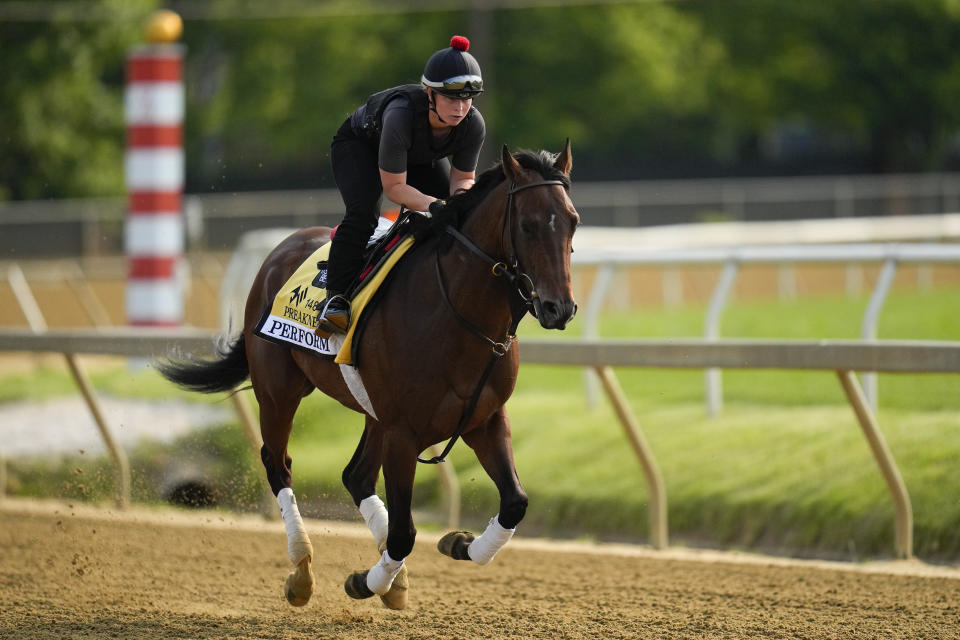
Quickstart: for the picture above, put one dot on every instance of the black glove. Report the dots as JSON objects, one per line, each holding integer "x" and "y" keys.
{"x": 443, "y": 214}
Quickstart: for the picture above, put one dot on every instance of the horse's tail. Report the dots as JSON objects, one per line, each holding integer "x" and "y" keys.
{"x": 228, "y": 370}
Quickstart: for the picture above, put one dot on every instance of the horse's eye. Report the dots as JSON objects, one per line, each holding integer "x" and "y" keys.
{"x": 528, "y": 227}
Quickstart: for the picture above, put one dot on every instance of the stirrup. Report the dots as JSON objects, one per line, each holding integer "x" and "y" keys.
{"x": 333, "y": 321}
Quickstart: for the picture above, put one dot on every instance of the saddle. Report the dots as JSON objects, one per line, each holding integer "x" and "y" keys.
{"x": 385, "y": 238}
{"x": 292, "y": 317}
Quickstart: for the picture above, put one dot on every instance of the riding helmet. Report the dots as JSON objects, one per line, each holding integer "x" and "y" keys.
{"x": 454, "y": 72}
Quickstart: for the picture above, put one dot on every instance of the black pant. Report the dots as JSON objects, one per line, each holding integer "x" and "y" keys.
{"x": 357, "y": 173}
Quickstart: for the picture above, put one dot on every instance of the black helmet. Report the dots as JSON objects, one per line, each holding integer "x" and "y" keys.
{"x": 454, "y": 72}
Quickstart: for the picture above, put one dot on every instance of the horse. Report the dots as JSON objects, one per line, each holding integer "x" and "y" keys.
{"x": 437, "y": 359}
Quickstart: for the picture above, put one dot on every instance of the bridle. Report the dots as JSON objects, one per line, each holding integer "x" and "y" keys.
{"x": 523, "y": 293}
{"x": 523, "y": 297}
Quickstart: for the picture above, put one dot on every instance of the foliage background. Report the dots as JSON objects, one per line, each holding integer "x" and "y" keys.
{"x": 644, "y": 89}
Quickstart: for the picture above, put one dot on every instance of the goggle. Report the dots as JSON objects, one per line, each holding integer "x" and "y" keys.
{"x": 464, "y": 87}
{"x": 463, "y": 83}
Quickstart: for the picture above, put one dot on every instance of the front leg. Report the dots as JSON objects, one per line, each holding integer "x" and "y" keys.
{"x": 360, "y": 479}
{"x": 494, "y": 448}
{"x": 399, "y": 468}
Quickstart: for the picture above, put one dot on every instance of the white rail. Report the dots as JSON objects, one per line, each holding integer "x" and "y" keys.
{"x": 842, "y": 356}
{"x": 771, "y": 254}
{"x": 608, "y": 260}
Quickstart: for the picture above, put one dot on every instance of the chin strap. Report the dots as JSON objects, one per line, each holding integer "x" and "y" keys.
{"x": 433, "y": 107}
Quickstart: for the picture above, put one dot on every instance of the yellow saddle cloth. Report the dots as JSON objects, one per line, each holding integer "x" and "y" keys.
{"x": 292, "y": 318}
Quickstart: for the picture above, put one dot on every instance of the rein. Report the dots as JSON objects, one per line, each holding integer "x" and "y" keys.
{"x": 521, "y": 302}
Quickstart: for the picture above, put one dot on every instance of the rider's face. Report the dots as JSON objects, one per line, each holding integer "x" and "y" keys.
{"x": 452, "y": 110}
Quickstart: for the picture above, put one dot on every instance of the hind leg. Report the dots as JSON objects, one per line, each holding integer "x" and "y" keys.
{"x": 360, "y": 479}
{"x": 279, "y": 395}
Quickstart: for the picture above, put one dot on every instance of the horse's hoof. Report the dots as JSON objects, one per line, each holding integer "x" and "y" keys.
{"x": 356, "y": 586}
{"x": 396, "y": 598}
{"x": 455, "y": 544}
{"x": 299, "y": 587}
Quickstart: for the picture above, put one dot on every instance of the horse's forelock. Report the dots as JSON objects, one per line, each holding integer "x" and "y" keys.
{"x": 542, "y": 161}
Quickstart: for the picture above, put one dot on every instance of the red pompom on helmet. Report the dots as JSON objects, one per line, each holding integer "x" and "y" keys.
{"x": 454, "y": 72}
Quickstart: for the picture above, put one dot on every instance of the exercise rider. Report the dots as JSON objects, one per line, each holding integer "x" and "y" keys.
{"x": 416, "y": 143}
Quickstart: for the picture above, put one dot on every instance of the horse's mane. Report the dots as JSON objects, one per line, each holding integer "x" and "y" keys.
{"x": 459, "y": 206}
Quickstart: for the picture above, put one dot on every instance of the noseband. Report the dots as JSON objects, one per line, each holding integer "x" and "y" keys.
{"x": 523, "y": 297}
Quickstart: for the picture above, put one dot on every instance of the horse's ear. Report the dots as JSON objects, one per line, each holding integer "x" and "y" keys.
{"x": 564, "y": 161}
{"x": 511, "y": 168}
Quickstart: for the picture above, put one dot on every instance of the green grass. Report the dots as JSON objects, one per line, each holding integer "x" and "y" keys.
{"x": 783, "y": 468}
{"x": 799, "y": 479}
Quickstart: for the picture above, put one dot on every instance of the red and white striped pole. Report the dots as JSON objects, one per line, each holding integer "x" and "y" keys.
{"x": 154, "y": 234}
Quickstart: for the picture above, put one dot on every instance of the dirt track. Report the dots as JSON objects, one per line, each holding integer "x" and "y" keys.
{"x": 69, "y": 572}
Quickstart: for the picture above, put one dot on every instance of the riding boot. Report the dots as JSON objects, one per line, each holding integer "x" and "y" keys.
{"x": 334, "y": 316}
{"x": 343, "y": 265}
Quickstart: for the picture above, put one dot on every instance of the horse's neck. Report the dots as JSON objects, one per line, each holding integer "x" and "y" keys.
{"x": 484, "y": 225}
{"x": 473, "y": 288}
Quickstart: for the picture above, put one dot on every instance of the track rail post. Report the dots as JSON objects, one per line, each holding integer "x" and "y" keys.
{"x": 591, "y": 320}
{"x": 269, "y": 506}
{"x": 450, "y": 487}
{"x": 903, "y": 511}
{"x": 718, "y": 301}
{"x": 122, "y": 465}
{"x": 658, "y": 492}
{"x": 868, "y": 326}
{"x": 38, "y": 325}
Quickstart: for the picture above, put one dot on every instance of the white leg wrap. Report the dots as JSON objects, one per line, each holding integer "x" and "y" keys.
{"x": 375, "y": 515}
{"x": 380, "y": 578}
{"x": 494, "y": 537}
{"x": 298, "y": 544}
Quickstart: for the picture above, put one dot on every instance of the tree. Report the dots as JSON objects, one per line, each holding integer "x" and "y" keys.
{"x": 630, "y": 84}
{"x": 643, "y": 89}
{"x": 882, "y": 73}
{"x": 62, "y": 108}
{"x": 265, "y": 97}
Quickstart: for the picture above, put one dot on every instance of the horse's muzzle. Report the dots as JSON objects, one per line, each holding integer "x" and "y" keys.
{"x": 556, "y": 314}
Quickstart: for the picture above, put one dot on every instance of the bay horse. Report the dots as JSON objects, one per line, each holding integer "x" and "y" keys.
{"x": 435, "y": 359}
